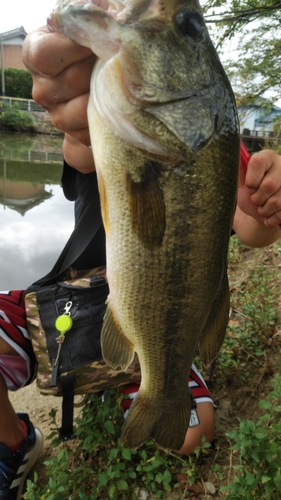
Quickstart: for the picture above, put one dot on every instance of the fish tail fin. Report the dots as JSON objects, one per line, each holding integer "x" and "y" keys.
{"x": 144, "y": 422}
{"x": 170, "y": 431}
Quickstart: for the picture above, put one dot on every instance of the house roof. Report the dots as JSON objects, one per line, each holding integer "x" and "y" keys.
{"x": 260, "y": 102}
{"x": 9, "y": 36}
{"x": 26, "y": 205}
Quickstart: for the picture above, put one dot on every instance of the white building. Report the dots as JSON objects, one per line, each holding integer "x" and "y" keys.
{"x": 258, "y": 118}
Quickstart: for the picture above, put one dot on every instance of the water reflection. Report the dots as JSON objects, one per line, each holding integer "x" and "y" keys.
{"x": 35, "y": 218}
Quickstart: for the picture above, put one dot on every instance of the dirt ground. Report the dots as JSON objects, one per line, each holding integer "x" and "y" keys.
{"x": 29, "y": 400}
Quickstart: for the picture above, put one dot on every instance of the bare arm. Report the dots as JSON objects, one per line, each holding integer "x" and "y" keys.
{"x": 258, "y": 215}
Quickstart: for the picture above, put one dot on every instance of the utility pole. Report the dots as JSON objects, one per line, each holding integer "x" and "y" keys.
{"x": 2, "y": 67}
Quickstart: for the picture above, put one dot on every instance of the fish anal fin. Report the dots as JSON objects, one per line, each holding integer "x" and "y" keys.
{"x": 147, "y": 206}
{"x": 214, "y": 330}
{"x": 117, "y": 350}
{"x": 145, "y": 421}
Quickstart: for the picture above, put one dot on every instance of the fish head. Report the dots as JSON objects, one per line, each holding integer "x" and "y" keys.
{"x": 158, "y": 70}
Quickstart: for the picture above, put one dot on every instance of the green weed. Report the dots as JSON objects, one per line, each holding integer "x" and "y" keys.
{"x": 12, "y": 118}
{"x": 258, "y": 444}
{"x": 252, "y": 321}
{"x": 97, "y": 466}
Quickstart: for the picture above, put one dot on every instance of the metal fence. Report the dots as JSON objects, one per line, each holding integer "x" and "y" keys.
{"x": 259, "y": 133}
{"x": 23, "y": 104}
{"x": 33, "y": 156}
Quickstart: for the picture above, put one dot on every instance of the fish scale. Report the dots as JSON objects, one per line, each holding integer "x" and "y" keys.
{"x": 165, "y": 138}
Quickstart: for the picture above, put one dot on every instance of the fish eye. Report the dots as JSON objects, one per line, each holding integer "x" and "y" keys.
{"x": 190, "y": 22}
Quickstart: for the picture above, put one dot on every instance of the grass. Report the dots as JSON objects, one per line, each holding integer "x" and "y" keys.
{"x": 96, "y": 466}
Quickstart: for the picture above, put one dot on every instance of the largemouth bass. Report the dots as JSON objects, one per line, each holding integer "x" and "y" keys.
{"x": 165, "y": 138}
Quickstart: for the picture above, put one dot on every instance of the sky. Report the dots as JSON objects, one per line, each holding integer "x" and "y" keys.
{"x": 30, "y": 14}
{"x": 27, "y": 13}
{"x": 30, "y": 244}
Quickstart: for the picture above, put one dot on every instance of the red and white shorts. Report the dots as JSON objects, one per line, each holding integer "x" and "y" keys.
{"x": 17, "y": 370}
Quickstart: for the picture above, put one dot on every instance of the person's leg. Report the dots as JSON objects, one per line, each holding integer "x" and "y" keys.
{"x": 11, "y": 429}
{"x": 20, "y": 441}
{"x": 206, "y": 427}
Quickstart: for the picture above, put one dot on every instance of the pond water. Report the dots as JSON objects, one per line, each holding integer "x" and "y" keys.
{"x": 35, "y": 218}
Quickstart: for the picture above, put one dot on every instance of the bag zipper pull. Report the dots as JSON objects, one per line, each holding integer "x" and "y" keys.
{"x": 63, "y": 324}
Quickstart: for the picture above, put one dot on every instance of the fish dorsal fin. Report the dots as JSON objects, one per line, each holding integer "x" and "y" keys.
{"x": 214, "y": 330}
{"x": 147, "y": 206}
{"x": 117, "y": 350}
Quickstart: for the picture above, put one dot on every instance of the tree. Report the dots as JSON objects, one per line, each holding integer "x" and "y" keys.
{"x": 255, "y": 26}
{"x": 18, "y": 83}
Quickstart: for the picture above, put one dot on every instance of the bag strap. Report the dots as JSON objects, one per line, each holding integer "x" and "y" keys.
{"x": 66, "y": 429}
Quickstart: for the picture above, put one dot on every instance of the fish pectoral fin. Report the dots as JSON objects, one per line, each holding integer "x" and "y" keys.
{"x": 145, "y": 421}
{"x": 214, "y": 330}
{"x": 103, "y": 202}
{"x": 117, "y": 350}
{"x": 147, "y": 206}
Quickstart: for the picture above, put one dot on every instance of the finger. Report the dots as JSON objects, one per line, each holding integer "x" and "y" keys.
{"x": 77, "y": 155}
{"x": 271, "y": 206}
{"x": 71, "y": 117}
{"x": 269, "y": 189}
{"x": 82, "y": 135}
{"x": 274, "y": 220}
{"x": 49, "y": 53}
{"x": 72, "y": 82}
{"x": 258, "y": 165}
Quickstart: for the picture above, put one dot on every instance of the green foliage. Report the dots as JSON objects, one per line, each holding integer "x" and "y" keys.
{"x": 12, "y": 118}
{"x": 97, "y": 466}
{"x": 256, "y": 66}
{"x": 18, "y": 83}
{"x": 250, "y": 327}
{"x": 258, "y": 474}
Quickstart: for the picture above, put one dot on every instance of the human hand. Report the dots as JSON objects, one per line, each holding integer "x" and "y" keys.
{"x": 259, "y": 192}
{"x": 61, "y": 72}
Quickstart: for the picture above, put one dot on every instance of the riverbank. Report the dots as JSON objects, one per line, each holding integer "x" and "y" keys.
{"x": 44, "y": 124}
